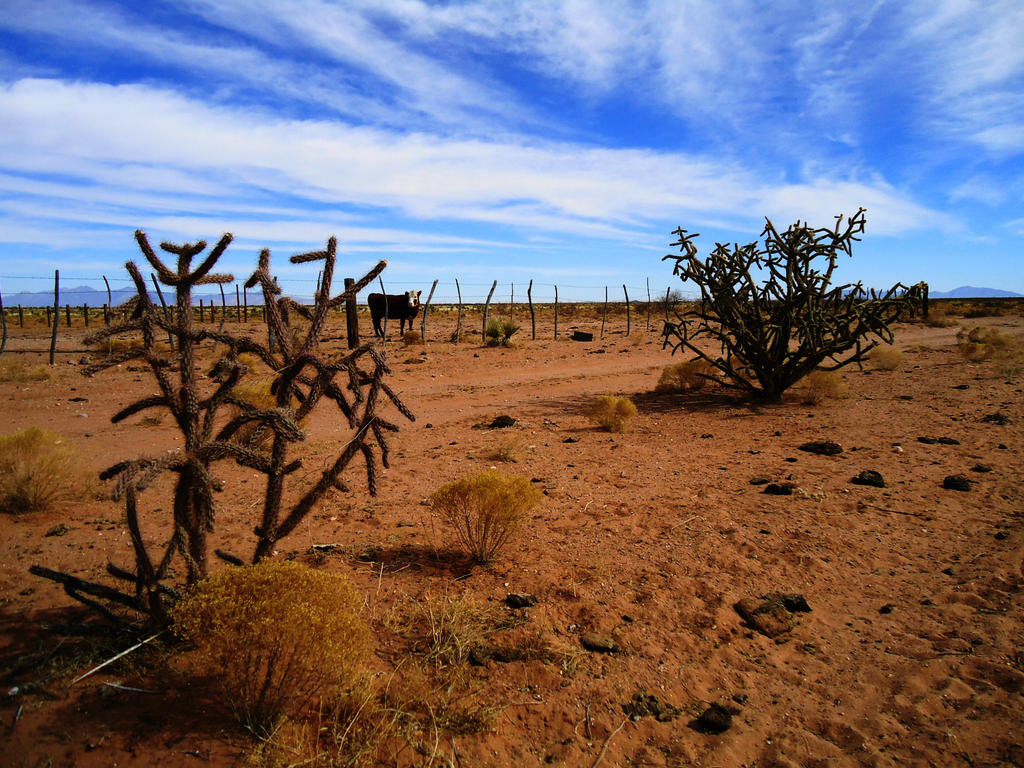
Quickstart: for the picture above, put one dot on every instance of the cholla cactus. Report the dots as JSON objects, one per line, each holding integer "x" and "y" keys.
{"x": 771, "y": 334}
{"x": 303, "y": 379}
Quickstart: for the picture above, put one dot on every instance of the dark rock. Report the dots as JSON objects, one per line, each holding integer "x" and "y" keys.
{"x": 948, "y": 571}
{"x": 887, "y": 608}
{"x": 1000, "y": 535}
{"x": 570, "y": 440}
{"x": 790, "y": 459}
{"x": 961, "y": 386}
{"x": 503, "y": 422}
{"x": 78, "y": 399}
{"x": 998, "y": 417}
{"x": 956, "y": 483}
{"x": 760, "y": 480}
{"x": 707, "y": 436}
{"x": 592, "y": 641}
{"x": 869, "y": 477}
{"x": 780, "y": 489}
{"x": 947, "y": 441}
{"x": 794, "y": 602}
{"x": 520, "y": 600}
{"x": 822, "y": 447}
{"x": 772, "y": 614}
{"x": 58, "y": 530}
{"x": 644, "y": 705}
{"x": 981, "y": 468}
{"x": 927, "y": 440}
{"x": 714, "y": 719}
{"x": 582, "y": 336}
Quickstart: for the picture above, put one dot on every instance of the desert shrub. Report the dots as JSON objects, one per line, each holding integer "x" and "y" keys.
{"x": 938, "y": 317}
{"x": 819, "y": 386}
{"x": 275, "y": 635}
{"x": 485, "y": 510}
{"x": 886, "y": 358}
{"x": 409, "y": 338}
{"x": 613, "y": 413}
{"x": 499, "y": 332}
{"x": 17, "y": 371}
{"x": 443, "y": 630}
{"x": 983, "y": 343}
{"x": 39, "y": 471}
{"x": 687, "y": 376}
{"x": 507, "y": 451}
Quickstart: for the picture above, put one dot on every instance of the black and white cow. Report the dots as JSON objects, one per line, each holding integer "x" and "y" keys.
{"x": 401, "y": 307}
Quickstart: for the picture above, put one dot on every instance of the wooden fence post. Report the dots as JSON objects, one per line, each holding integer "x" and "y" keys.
{"x": 110, "y": 303}
{"x": 604, "y": 315}
{"x": 67, "y": 315}
{"x": 628, "y": 317}
{"x": 202, "y": 312}
{"x": 458, "y": 320}
{"x": 245, "y": 304}
{"x": 167, "y": 317}
{"x": 426, "y": 307}
{"x": 21, "y": 317}
{"x": 85, "y": 313}
{"x": 238, "y": 309}
{"x": 56, "y": 314}
{"x": 648, "y": 304}
{"x": 223, "y": 307}
{"x": 487, "y": 304}
{"x": 512, "y": 302}
{"x": 556, "y": 311}
{"x": 533, "y": 318}
{"x": 3, "y": 323}
{"x": 351, "y": 316}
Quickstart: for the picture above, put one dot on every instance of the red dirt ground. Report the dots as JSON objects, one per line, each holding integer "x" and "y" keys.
{"x": 911, "y": 653}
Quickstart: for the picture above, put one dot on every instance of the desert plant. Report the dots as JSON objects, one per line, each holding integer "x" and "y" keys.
{"x": 275, "y": 635}
{"x": 687, "y": 376}
{"x": 983, "y": 343}
{"x": 303, "y": 378}
{"x": 613, "y": 413}
{"x": 39, "y": 472}
{"x": 17, "y": 371}
{"x": 507, "y": 451}
{"x": 819, "y": 386}
{"x": 887, "y": 358}
{"x": 411, "y": 338}
{"x": 499, "y": 332}
{"x": 771, "y": 334}
{"x": 485, "y": 510}
{"x": 938, "y": 317}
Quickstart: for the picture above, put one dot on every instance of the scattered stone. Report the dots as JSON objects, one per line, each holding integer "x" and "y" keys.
{"x": 961, "y": 386}
{"x": 714, "y": 719}
{"x": 592, "y": 641}
{"x": 503, "y": 422}
{"x": 869, "y": 477}
{"x": 707, "y": 436}
{"x": 887, "y": 608}
{"x": 947, "y": 441}
{"x": 981, "y": 468}
{"x": 948, "y": 571}
{"x": 520, "y": 600}
{"x": 78, "y": 399}
{"x": 822, "y": 447}
{"x": 582, "y": 336}
{"x": 58, "y": 530}
{"x": 772, "y": 615}
{"x": 956, "y": 483}
{"x": 906, "y": 397}
{"x": 998, "y": 417}
{"x": 570, "y": 440}
{"x": 927, "y": 440}
{"x": 644, "y": 705}
{"x": 790, "y": 459}
{"x": 1000, "y": 535}
{"x": 760, "y": 480}
{"x": 780, "y": 489}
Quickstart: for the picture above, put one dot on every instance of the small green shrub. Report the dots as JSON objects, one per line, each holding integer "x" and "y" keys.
{"x": 485, "y": 510}
{"x": 40, "y": 471}
{"x": 886, "y": 358}
{"x": 687, "y": 376}
{"x": 499, "y": 332}
{"x": 613, "y": 413}
{"x": 275, "y": 635}
{"x": 819, "y": 386}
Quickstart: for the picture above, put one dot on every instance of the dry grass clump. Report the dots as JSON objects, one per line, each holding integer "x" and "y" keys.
{"x": 819, "y": 386}
{"x": 255, "y": 393}
{"x": 17, "y": 371}
{"x": 275, "y": 635}
{"x": 485, "y": 510}
{"x": 886, "y": 358}
{"x": 507, "y": 451}
{"x": 983, "y": 343}
{"x": 411, "y": 338}
{"x": 613, "y": 413}
{"x": 938, "y": 317}
{"x": 39, "y": 471}
{"x": 499, "y": 332}
{"x": 686, "y": 376}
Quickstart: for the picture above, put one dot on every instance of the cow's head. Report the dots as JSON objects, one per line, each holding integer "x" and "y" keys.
{"x": 413, "y": 297}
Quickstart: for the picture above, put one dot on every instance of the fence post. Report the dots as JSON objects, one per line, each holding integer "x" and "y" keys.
{"x": 628, "y": 317}
{"x": 3, "y": 323}
{"x": 512, "y": 302}
{"x": 109, "y": 305}
{"x": 223, "y": 307}
{"x": 167, "y": 317}
{"x": 487, "y": 304}
{"x": 56, "y": 314}
{"x": 648, "y": 304}
{"x": 245, "y": 303}
{"x": 85, "y": 313}
{"x": 202, "y": 312}
{"x": 426, "y": 307}
{"x": 604, "y": 315}
{"x": 556, "y": 311}
{"x": 533, "y": 319}
{"x": 351, "y": 318}
{"x": 238, "y": 308}
{"x": 67, "y": 315}
{"x": 21, "y": 317}
{"x": 458, "y": 319}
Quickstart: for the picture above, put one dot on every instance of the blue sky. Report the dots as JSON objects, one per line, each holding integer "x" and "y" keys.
{"x": 510, "y": 140}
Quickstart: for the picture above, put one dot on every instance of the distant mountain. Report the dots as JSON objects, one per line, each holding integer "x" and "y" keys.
{"x": 970, "y": 292}
{"x": 83, "y": 294}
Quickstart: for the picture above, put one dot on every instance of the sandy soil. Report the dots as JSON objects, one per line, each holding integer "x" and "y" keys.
{"x": 911, "y": 653}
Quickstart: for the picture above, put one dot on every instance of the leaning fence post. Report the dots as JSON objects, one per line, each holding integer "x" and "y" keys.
{"x": 351, "y": 316}
{"x": 628, "y": 317}
{"x": 487, "y": 304}
{"x": 56, "y": 314}
{"x": 458, "y": 319}
{"x": 423, "y": 320}
{"x": 533, "y": 318}
{"x": 110, "y": 303}
{"x": 223, "y": 307}
{"x": 167, "y": 317}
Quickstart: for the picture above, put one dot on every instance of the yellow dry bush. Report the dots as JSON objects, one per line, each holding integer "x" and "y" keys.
{"x": 507, "y": 451}
{"x": 39, "y": 471}
{"x": 984, "y": 343}
{"x": 823, "y": 385}
{"x": 938, "y": 317}
{"x": 687, "y": 376}
{"x": 485, "y": 510}
{"x": 886, "y": 358}
{"x": 613, "y": 413}
{"x": 411, "y": 338}
{"x": 256, "y": 393}
{"x": 17, "y": 371}
{"x": 275, "y": 635}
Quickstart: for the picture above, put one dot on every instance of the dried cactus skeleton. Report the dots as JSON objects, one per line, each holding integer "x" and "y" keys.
{"x": 772, "y": 333}
{"x": 210, "y": 420}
